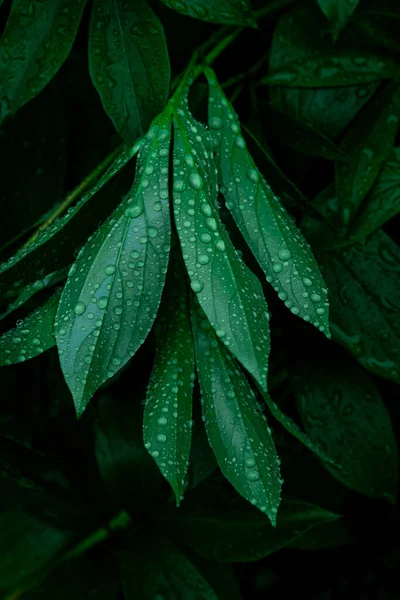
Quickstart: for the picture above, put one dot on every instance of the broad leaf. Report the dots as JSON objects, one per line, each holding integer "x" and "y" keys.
{"x": 383, "y": 201}
{"x": 338, "y": 13}
{"x": 236, "y": 427}
{"x": 114, "y": 288}
{"x": 36, "y": 41}
{"x": 168, "y": 412}
{"x": 228, "y": 292}
{"x": 364, "y": 284}
{"x": 368, "y": 144}
{"x": 32, "y": 336}
{"x": 343, "y": 411}
{"x": 158, "y": 569}
{"x": 270, "y": 232}
{"x": 129, "y": 64}
{"x": 215, "y": 11}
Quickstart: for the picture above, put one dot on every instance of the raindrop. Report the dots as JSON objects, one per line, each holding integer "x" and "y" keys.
{"x": 80, "y": 308}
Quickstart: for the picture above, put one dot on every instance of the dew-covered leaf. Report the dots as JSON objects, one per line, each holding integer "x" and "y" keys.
{"x": 129, "y": 63}
{"x": 36, "y": 41}
{"x": 158, "y": 569}
{"x": 368, "y": 144}
{"x": 236, "y": 427}
{"x": 338, "y": 13}
{"x": 268, "y": 229}
{"x": 343, "y": 411}
{"x": 383, "y": 201}
{"x": 114, "y": 288}
{"x": 32, "y": 336}
{"x": 215, "y": 11}
{"x": 364, "y": 295}
{"x": 228, "y": 292}
{"x": 167, "y": 419}
{"x": 54, "y": 247}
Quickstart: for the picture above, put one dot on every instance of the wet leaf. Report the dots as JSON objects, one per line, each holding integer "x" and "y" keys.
{"x": 345, "y": 414}
{"x": 368, "y": 144}
{"x": 364, "y": 295}
{"x": 268, "y": 229}
{"x": 129, "y": 64}
{"x": 236, "y": 427}
{"x": 36, "y": 41}
{"x": 32, "y": 336}
{"x": 114, "y": 288}
{"x": 227, "y": 290}
{"x": 338, "y": 13}
{"x": 168, "y": 412}
{"x": 215, "y": 11}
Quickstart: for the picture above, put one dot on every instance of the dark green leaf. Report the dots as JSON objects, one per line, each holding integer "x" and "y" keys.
{"x": 364, "y": 295}
{"x": 129, "y": 64}
{"x": 202, "y": 458}
{"x": 270, "y": 232}
{"x": 114, "y": 288}
{"x": 158, "y": 569}
{"x": 330, "y": 534}
{"x": 344, "y": 413}
{"x": 368, "y": 144}
{"x": 228, "y": 292}
{"x": 36, "y": 41}
{"x": 380, "y": 23}
{"x": 236, "y": 427}
{"x": 383, "y": 201}
{"x": 215, "y": 11}
{"x": 220, "y": 576}
{"x": 168, "y": 412}
{"x": 32, "y": 336}
{"x": 338, "y": 13}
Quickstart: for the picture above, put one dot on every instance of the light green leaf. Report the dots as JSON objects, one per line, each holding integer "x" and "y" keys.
{"x": 236, "y": 427}
{"x": 32, "y": 336}
{"x": 129, "y": 63}
{"x": 215, "y": 11}
{"x": 168, "y": 412}
{"x": 36, "y": 41}
{"x": 383, "y": 200}
{"x": 364, "y": 284}
{"x": 270, "y": 232}
{"x": 228, "y": 292}
{"x": 114, "y": 288}
{"x": 338, "y": 13}
{"x": 368, "y": 143}
{"x": 343, "y": 411}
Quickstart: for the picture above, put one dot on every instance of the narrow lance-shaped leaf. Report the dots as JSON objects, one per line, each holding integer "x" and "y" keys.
{"x": 338, "y": 13}
{"x": 215, "y": 11}
{"x": 368, "y": 144}
{"x": 36, "y": 41}
{"x": 129, "y": 64}
{"x": 236, "y": 427}
{"x": 228, "y": 292}
{"x": 114, "y": 288}
{"x": 168, "y": 412}
{"x": 270, "y": 232}
{"x": 32, "y": 336}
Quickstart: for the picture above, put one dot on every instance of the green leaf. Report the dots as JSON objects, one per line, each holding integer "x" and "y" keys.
{"x": 129, "y": 63}
{"x": 236, "y": 427}
{"x": 36, "y": 41}
{"x": 334, "y": 69}
{"x": 383, "y": 201}
{"x": 368, "y": 143}
{"x": 235, "y": 532}
{"x": 343, "y": 411}
{"x": 32, "y": 336}
{"x": 338, "y": 13}
{"x": 215, "y": 11}
{"x": 43, "y": 253}
{"x": 228, "y": 292}
{"x": 168, "y": 412}
{"x": 270, "y": 232}
{"x": 158, "y": 569}
{"x": 114, "y": 288}
{"x": 364, "y": 298}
